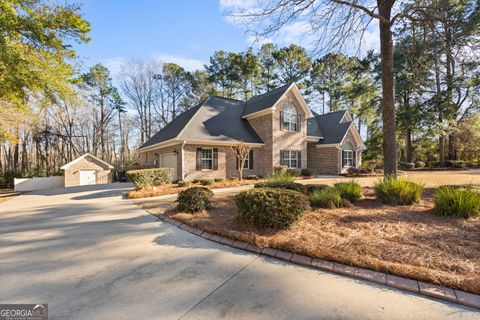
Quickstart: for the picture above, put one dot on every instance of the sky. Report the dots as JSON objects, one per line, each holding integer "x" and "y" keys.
{"x": 186, "y": 32}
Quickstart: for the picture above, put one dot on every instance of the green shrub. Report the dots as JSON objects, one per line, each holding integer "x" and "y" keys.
{"x": 433, "y": 164}
{"x": 219, "y": 180}
{"x": 326, "y": 198}
{"x": 194, "y": 199}
{"x": 310, "y": 188}
{"x": 307, "y": 172}
{"x": 271, "y": 208}
{"x": 350, "y": 191}
{"x": 457, "y": 202}
{"x": 419, "y": 164}
{"x": 294, "y": 172}
{"x": 370, "y": 165}
{"x": 183, "y": 183}
{"x": 280, "y": 169}
{"x": 252, "y": 177}
{"x": 203, "y": 181}
{"x": 143, "y": 178}
{"x": 398, "y": 191}
{"x": 7, "y": 178}
{"x": 406, "y": 165}
{"x": 281, "y": 185}
{"x": 458, "y": 164}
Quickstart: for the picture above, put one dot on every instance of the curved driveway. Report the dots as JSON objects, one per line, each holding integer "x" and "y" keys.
{"x": 90, "y": 254}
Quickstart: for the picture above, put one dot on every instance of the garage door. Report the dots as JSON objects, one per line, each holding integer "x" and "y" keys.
{"x": 169, "y": 160}
{"x": 88, "y": 177}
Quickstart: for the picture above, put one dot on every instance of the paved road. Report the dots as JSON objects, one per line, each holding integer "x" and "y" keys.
{"x": 91, "y": 255}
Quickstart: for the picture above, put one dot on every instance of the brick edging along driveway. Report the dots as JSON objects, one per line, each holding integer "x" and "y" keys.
{"x": 419, "y": 287}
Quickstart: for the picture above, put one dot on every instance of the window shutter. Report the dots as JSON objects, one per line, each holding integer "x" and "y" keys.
{"x": 215, "y": 159}
{"x": 281, "y": 120}
{"x": 281, "y": 157}
{"x": 250, "y": 159}
{"x": 236, "y": 162}
{"x": 343, "y": 158}
{"x": 299, "y": 121}
{"x": 299, "y": 160}
{"x": 199, "y": 159}
{"x": 354, "y": 159}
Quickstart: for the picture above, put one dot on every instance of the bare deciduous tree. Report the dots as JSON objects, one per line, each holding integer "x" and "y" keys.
{"x": 241, "y": 152}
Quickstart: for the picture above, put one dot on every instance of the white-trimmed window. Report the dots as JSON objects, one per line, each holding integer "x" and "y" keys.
{"x": 289, "y": 118}
{"x": 347, "y": 155}
{"x": 207, "y": 159}
{"x": 290, "y": 158}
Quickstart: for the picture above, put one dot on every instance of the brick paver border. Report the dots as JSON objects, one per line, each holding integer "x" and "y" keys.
{"x": 418, "y": 287}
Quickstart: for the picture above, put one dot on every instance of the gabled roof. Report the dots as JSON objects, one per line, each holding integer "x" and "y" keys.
{"x": 216, "y": 119}
{"x": 264, "y": 101}
{"x": 66, "y": 166}
{"x": 329, "y": 127}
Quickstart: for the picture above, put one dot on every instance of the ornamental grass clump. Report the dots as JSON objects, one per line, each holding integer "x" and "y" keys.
{"x": 329, "y": 198}
{"x": 194, "y": 199}
{"x": 391, "y": 190}
{"x": 268, "y": 208}
{"x": 463, "y": 202}
{"x": 350, "y": 191}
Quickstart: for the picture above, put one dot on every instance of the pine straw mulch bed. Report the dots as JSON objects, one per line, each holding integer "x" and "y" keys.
{"x": 408, "y": 241}
{"x": 173, "y": 188}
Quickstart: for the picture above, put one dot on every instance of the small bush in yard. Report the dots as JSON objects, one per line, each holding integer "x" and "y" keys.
{"x": 306, "y": 172}
{"x": 183, "y": 183}
{"x": 350, "y": 191}
{"x": 310, "y": 188}
{"x": 406, "y": 165}
{"x": 203, "y": 181}
{"x": 457, "y": 202}
{"x": 271, "y": 208}
{"x": 144, "y": 178}
{"x": 280, "y": 169}
{"x": 327, "y": 198}
{"x": 433, "y": 164}
{"x": 194, "y": 199}
{"x": 219, "y": 179}
{"x": 294, "y": 172}
{"x": 252, "y": 177}
{"x": 398, "y": 191}
{"x": 419, "y": 164}
{"x": 281, "y": 185}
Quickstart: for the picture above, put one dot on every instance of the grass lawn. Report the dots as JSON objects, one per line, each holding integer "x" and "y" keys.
{"x": 409, "y": 241}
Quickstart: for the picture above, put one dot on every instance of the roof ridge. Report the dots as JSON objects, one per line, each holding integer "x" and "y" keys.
{"x": 333, "y": 112}
{"x": 276, "y": 89}
{"x": 226, "y": 98}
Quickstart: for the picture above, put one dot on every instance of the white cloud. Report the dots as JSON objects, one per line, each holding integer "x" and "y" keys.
{"x": 227, "y": 5}
{"x": 189, "y": 64}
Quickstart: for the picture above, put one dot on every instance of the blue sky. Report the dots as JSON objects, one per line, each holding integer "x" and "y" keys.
{"x": 186, "y": 31}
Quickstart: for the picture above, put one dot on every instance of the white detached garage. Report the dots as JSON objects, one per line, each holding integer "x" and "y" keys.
{"x": 87, "y": 170}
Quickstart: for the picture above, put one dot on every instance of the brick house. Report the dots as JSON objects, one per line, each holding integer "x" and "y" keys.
{"x": 278, "y": 126}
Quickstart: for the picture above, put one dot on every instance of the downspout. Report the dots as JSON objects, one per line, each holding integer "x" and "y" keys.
{"x": 182, "y": 171}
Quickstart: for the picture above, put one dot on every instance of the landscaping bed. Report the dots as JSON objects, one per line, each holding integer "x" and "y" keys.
{"x": 409, "y": 241}
{"x": 173, "y": 188}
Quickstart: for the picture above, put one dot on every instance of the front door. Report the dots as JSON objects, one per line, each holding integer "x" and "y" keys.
{"x": 169, "y": 160}
{"x": 88, "y": 177}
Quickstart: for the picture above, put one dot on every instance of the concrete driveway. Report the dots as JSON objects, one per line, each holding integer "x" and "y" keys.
{"x": 90, "y": 254}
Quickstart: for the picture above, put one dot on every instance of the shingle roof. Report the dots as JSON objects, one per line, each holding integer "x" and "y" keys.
{"x": 264, "y": 101}
{"x": 216, "y": 119}
{"x": 329, "y": 127}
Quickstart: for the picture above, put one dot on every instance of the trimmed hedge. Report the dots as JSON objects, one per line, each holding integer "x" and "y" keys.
{"x": 294, "y": 172}
{"x": 183, "y": 183}
{"x": 406, "y": 165}
{"x": 281, "y": 185}
{"x": 194, "y": 199}
{"x": 457, "y": 202}
{"x": 204, "y": 181}
{"x": 306, "y": 172}
{"x": 398, "y": 191}
{"x": 350, "y": 191}
{"x": 280, "y": 169}
{"x": 144, "y": 178}
{"x": 433, "y": 164}
{"x": 271, "y": 208}
{"x": 455, "y": 164}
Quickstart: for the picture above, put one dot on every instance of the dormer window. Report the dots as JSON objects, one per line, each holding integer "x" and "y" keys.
{"x": 289, "y": 118}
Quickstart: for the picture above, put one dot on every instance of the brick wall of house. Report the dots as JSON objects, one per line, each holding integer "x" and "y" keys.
{"x": 288, "y": 140}
{"x": 72, "y": 174}
{"x": 264, "y": 127}
{"x": 149, "y": 157}
{"x": 323, "y": 160}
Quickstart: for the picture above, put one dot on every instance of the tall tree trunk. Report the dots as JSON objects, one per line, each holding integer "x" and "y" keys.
{"x": 438, "y": 93}
{"x": 388, "y": 90}
{"x": 409, "y": 147}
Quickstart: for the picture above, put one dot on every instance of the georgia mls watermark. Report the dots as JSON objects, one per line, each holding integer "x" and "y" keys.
{"x": 23, "y": 311}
